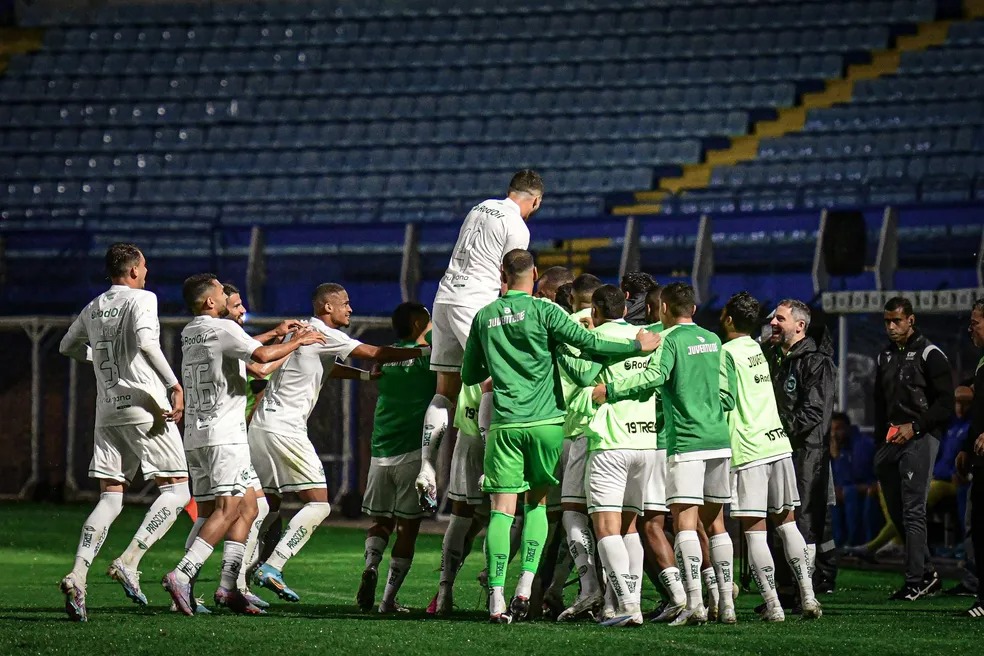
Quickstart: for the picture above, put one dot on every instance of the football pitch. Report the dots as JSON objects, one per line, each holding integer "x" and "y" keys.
{"x": 37, "y": 545}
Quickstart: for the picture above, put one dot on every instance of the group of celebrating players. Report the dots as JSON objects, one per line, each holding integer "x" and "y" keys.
{"x": 600, "y": 427}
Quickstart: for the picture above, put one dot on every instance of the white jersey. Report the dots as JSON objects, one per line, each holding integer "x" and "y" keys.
{"x": 214, "y": 353}
{"x": 491, "y": 229}
{"x": 128, "y": 390}
{"x": 293, "y": 390}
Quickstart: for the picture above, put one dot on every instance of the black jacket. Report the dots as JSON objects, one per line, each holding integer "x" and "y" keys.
{"x": 804, "y": 381}
{"x": 976, "y": 415}
{"x": 635, "y": 310}
{"x": 913, "y": 384}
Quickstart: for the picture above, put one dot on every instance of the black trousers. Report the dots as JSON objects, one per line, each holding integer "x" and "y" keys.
{"x": 977, "y": 521}
{"x": 904, "y": 472}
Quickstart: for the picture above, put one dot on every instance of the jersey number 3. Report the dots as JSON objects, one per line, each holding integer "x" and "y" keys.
{"x": 104, "y": 358}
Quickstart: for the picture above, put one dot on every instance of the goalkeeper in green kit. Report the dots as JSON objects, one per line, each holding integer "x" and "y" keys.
{"x": 512, "y": 340}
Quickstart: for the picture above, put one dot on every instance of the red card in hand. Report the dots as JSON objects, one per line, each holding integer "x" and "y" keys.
{"x": 892, "y": 432}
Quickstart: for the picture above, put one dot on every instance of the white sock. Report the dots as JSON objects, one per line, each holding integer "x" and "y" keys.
{"x": 670, "y": 578}
{"x": 193, "y": 560}
{"x": 615, "y": 558}
{"x": 435, "y": 427}
{"x": 253, "y": 542}
{"x": 633, "y": 546}
{"x": 611, "y": 601}
{"x": 298, "y": 532}
{"x": 453, "y": 547}
{"x": 687, "y": 549}
{"x": 497, "y": 600}
{"x": 524, "y": 587}
{"x": 581, "y": 542}
{"x": 711, "y": 583}
{"x": 374, "y": 551}
{"x": 94, "y": 532}
{"x": 798, "y": 556}
{"x": 723, "y": 555}
{"x": 232, "y": 562}
{"x": 196, "y": 528}
{"x": 763, "y": 566}
{"x": 158, "y": 521}
{"x": 811, "y": 561}
{"x": 397, "y": 573}
{"x": 485, "y": 415}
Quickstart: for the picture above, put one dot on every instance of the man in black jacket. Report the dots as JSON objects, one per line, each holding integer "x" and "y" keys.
{"x": 971, "y": 457}
{"x": 913, "y": 405}
{"x": 803, "y": 379}
{"x": 637, "y": 285}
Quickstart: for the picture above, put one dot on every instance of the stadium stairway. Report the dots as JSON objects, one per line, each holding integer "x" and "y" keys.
{"x": 792, "y": 119}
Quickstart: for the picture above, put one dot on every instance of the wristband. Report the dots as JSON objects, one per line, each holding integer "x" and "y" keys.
{"x": 424, "y": 350}
{"x": 365, "y": 375}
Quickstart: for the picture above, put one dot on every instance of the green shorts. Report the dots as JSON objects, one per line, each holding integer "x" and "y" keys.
{"x": 517, "y": 459}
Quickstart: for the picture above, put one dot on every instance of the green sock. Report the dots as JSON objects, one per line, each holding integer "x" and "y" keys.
{"x": 497, "y": 547}
{"x": 534, "y": 536}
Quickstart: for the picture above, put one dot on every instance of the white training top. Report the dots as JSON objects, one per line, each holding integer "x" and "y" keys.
{"x": 129, "y": 390}
{"x": 214, "y": 353}
{"x": 293, "y": 390}
{"x": 491, "y": 229}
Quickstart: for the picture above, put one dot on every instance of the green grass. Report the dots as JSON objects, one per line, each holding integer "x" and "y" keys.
{"x": 37, "y": 543}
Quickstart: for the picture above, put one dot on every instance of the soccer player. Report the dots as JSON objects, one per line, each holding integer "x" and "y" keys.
{"x": 763, "y": 478}
{"x": 472, "y": 281}
{"x": 695, "y": 394}
{"x": 391, "y": 496}
{"x": 552, "y": 279}
{"x": 511, "y": 341}
{"x": 214, "y": 352}
{"x": 138, "y": 402}
{"x": 282, "y": 453}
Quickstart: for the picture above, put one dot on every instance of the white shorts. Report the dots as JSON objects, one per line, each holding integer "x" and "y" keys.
{"x": 763, "y": 490}
{"x": 616, "y": 480}
{"x": 554, "y": 492}
{"x": 656, "y": 489}
{"x": 466, "y": 470}
{"x": 285, "y": 464}
{"x": 450, "y": 325}
{"x": 692, "y": 482}
{"x": 572, "y": 486}
{"x": 391, "y": 491}
{"x": 219, "y": 471}
{"x": 153, "y": 448}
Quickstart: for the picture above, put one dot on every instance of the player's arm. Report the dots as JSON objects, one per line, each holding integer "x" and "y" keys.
{"x": 565, "y": 331}
{"x": 937, "y": 415}
{"x": 474, "y": 368}
{"x": 583, "y": 372}
{"x": 816, "y": 387}
{"x": 147, "y": 330}
{"x": 75, "y": 343}
{"x": 345, "y": 372}
{"x": 728, "y": 382}
{"x": 257, "y": 370}
{"x": 273, "y": 352}
{"x": 384, "y": 354}
{"x": 643, "y": 385}
{"x": 277, "y": 334}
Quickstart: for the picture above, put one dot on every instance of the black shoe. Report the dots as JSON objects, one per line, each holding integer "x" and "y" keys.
{"x": 907, "y": 592}
{"x": 959, "y": 590}
{"x": 519, "y": 608}
{"x": 786, "y": 600}
{"x": 977, "y": 610}
{"x": 658, "y": 610}
{"x": 823, "y": 585}
{"x": 931, "y": 584}
{"x": 366, "y": 596}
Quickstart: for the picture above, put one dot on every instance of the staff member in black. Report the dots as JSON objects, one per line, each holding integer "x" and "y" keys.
{"x": 913, "y": 404}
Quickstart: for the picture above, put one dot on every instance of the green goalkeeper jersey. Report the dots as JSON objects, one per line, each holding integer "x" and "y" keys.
{"x": 512, "y": 340}
{"x": 756, "y": 431}
{"x": 466, "y": 413}
{"x": 405, "y": 389}
{"x": 695, "y": 391}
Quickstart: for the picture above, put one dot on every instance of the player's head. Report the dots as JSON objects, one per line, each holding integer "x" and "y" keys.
{"x": 234, "y": 303}
{"x": 519, "y": 270}
{"x": 584, "y": 286}
{"x": 677, "y": 301}
{"x": 410, "y": 321}
{"x": 607, "y": 304}
{"x": 637, "y": 283}
{"x": 790, "y": 322}
{"x": 899, "y": 319}
{"x": 551, "y": 279}
{"x": 963, "y": 397}
{"x": 126, "y": 265}
{"x": 976, "y": 328}
{"x": 565, "y": 297}
{"x": 330, "y": 303}
{"x": 840, "y": 428}
{"x": 526, "y": 190}
{"x": 652, "y": 303}
{"x": 740, "y": 315}
{"x": 203, "y": 294}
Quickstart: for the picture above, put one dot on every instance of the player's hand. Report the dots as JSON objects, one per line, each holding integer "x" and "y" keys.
{"x": 587, "y": 322}
{"x": 904, "y": 434}
{"x": 287, "y": 326}
{"x": 177, "y": 404}
{"x": 376, "y": 372}
{"x": 599, "y": 394}
{"x": 307, "y": 335}
{"x": 648, "y": 340}
{"x": 963, "y": 463}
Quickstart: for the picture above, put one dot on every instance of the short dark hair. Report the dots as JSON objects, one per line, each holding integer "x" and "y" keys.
{"x": 744, "y": 311}
{"x": 517, "y": 262}
{"x": 555, "y": 276}
{"x": 899, "y": 303}
{"x": 322, "y": 292}
{"x": 120, "y": 258}
{"x": 652, "y": 296}
{"x": 637, "y": 282}
{"x": 565, "y": 297}
{"x": 978, "y": 306}
{"x": 195, "y": 287}
{"x": 586, "y": 284}
{"x": 526, "y": 181}
{"x": 403, "y": 317}
{"x": 229, "y": 289}
{"x": 610, "y": 301}
{"x": 679, "y": 298}
{"x": 842, "y": 416}
{"x": 799, "y": 310}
